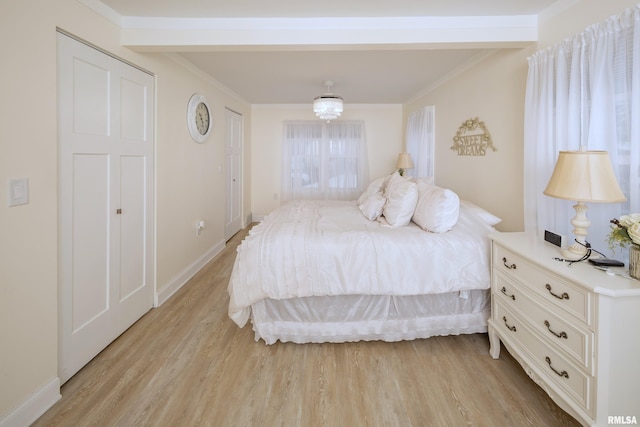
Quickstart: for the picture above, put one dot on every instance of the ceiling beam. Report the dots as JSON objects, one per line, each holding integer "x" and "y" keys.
{"x": 211, "y": 34}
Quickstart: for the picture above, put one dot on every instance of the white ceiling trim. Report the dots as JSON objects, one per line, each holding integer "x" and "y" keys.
{"x": 409, "y": 22}
{"x": 203, "y": 34}
{"x": 104, "y": 11}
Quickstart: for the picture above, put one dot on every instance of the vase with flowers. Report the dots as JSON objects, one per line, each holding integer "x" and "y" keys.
{"x": 626, "y": 232}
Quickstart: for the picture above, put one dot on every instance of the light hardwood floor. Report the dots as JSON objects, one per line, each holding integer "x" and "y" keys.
{"x": 187, "y": 364}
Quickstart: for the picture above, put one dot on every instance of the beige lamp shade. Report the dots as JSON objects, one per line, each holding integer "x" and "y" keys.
{"x": 584, "y": 176}
{"x": 404, "y": 161}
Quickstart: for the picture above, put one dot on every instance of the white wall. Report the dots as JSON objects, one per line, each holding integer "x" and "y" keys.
{"x": 190, "y": 178}
{"x": 384, "y": 142}
{"x": 493, "y": 90}
{"x": 188, "y": 188}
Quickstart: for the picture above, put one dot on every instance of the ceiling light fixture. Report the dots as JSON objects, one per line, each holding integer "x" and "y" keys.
{"x": 328, "y": 106}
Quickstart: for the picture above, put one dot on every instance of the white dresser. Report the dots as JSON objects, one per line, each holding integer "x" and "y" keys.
{"x": 574, "y": 329}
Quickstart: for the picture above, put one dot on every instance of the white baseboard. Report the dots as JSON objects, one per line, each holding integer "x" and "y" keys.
{"x": 33, "y": 406}
{"x": 257, "y": 218}
{"x": 177, "y": 282}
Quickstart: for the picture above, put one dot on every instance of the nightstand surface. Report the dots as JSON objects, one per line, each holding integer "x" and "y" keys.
{"x": 536, "y": 250}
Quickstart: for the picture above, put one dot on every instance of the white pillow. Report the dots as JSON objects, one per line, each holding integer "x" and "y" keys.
{"x": 437, "y": 209}
{"x": 376, "y": 186}
{"x": 425, "y": 180}
{"x": 372, "y": 206}
{"x": 486, "y": 216}
{"x": 402, "y": 196}
{"x": 392, "y": 179}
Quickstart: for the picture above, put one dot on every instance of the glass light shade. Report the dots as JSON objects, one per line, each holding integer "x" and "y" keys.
{"x": 328, "y": 107}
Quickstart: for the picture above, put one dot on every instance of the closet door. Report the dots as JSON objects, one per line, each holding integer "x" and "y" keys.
{"x": 233, "y": 177}
{"x": 105, "y": 148}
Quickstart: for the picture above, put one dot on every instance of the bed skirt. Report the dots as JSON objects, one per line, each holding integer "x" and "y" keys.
{"x": 369, "y": 318}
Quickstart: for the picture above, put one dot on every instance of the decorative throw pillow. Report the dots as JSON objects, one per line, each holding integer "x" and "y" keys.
{"x": 392, "y": 179}
{"x": 372, "y": 206}
{"x": 376, "y": 186}
{"x": 423, "y": 180}
{"x": 437, "y": 209}
{"x": 486, "y": 216}
{"x": 402, "y": 196}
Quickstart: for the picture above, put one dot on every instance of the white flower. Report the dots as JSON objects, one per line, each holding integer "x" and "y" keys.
{"x": 634, "y": 232}
{"x": 629, "y": 220}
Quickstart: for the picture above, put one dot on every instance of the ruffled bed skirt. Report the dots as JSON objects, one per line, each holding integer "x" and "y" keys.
{"x": 370, "y": 318}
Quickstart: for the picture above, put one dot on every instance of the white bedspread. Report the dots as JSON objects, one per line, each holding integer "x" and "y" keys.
{"x": 318, "y": 248}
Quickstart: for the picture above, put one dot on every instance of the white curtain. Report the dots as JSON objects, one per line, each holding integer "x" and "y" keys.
{"x": 324, "y": 160}
{"x": 584, "y": 91}
{"x": 420, "y": 142}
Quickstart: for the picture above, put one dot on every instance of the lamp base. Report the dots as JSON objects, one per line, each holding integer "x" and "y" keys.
{"x": 578, "y": 250}
{"x": 574, "y": 252}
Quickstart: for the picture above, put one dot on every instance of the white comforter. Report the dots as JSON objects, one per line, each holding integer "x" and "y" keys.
{"x": 317, "y": 248}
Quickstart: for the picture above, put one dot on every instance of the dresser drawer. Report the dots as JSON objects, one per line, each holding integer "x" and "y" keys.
{"x": 573, "y": 337}
{"x": 551, "y": 287}
{"x": 552, "y": 366}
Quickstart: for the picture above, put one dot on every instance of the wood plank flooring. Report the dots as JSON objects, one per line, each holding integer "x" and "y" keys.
{"x": 187, "y": 364}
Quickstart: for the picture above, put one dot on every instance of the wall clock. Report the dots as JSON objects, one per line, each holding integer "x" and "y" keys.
{"x": 199, "y": 118}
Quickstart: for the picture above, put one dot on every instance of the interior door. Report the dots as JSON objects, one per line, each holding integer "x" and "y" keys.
{"x": 105, "y": 190}
{"x": 233, "y": 177}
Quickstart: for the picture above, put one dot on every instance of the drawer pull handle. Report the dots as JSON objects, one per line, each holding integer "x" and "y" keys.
{"x": 504, "y": 291}
{"x": 563, "y": 296}
{"x": 560, "y": 374}
{"x": 562, "y": 334}
{"x": 511, "y": 328}
{"x": 510, "y": 267}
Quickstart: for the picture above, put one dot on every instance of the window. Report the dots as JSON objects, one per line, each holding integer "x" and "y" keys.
{"x": 584, "y": 91}
{"x": 420, "y": 142}
{"x": 324, "y": 160}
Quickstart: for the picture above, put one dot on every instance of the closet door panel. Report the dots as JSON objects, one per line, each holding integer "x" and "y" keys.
{"x": 132, "y": 225}
{"x": 105, "y": 149}
{"x": 90, "y": 256}
{"x": 91, "y": 95}
{"x": 133, "y": 111}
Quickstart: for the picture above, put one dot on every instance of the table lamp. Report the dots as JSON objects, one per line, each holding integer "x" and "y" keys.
{"x": 404, "y": 163}
{"x": 583, "y": 176}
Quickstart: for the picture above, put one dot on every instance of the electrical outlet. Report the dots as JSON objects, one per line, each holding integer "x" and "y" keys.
{"x": 200, "y": 227}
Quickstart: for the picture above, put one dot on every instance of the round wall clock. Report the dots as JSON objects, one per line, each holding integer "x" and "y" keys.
{"x": 199, "y": 118}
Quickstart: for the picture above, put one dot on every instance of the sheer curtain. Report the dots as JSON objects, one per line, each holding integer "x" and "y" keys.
{"x": 420, "y": 142}
{"x": 324, "y": 160}
{"x": 584, "y": 91}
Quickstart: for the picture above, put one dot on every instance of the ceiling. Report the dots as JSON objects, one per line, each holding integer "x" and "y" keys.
{"x": 387, "y": 52}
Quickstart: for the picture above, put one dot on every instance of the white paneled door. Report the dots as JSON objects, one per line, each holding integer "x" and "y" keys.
{"x": 105, "y": 149}
{"x": 233, "y": 168}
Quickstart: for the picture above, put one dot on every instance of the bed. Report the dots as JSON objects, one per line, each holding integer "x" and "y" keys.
{"x": 326, "y": 271}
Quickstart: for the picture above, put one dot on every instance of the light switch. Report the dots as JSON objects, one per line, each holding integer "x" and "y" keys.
{"x": 18, "y": 191}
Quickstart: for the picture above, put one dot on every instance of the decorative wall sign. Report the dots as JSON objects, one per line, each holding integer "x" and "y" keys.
{"x": 472, "y": 139}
